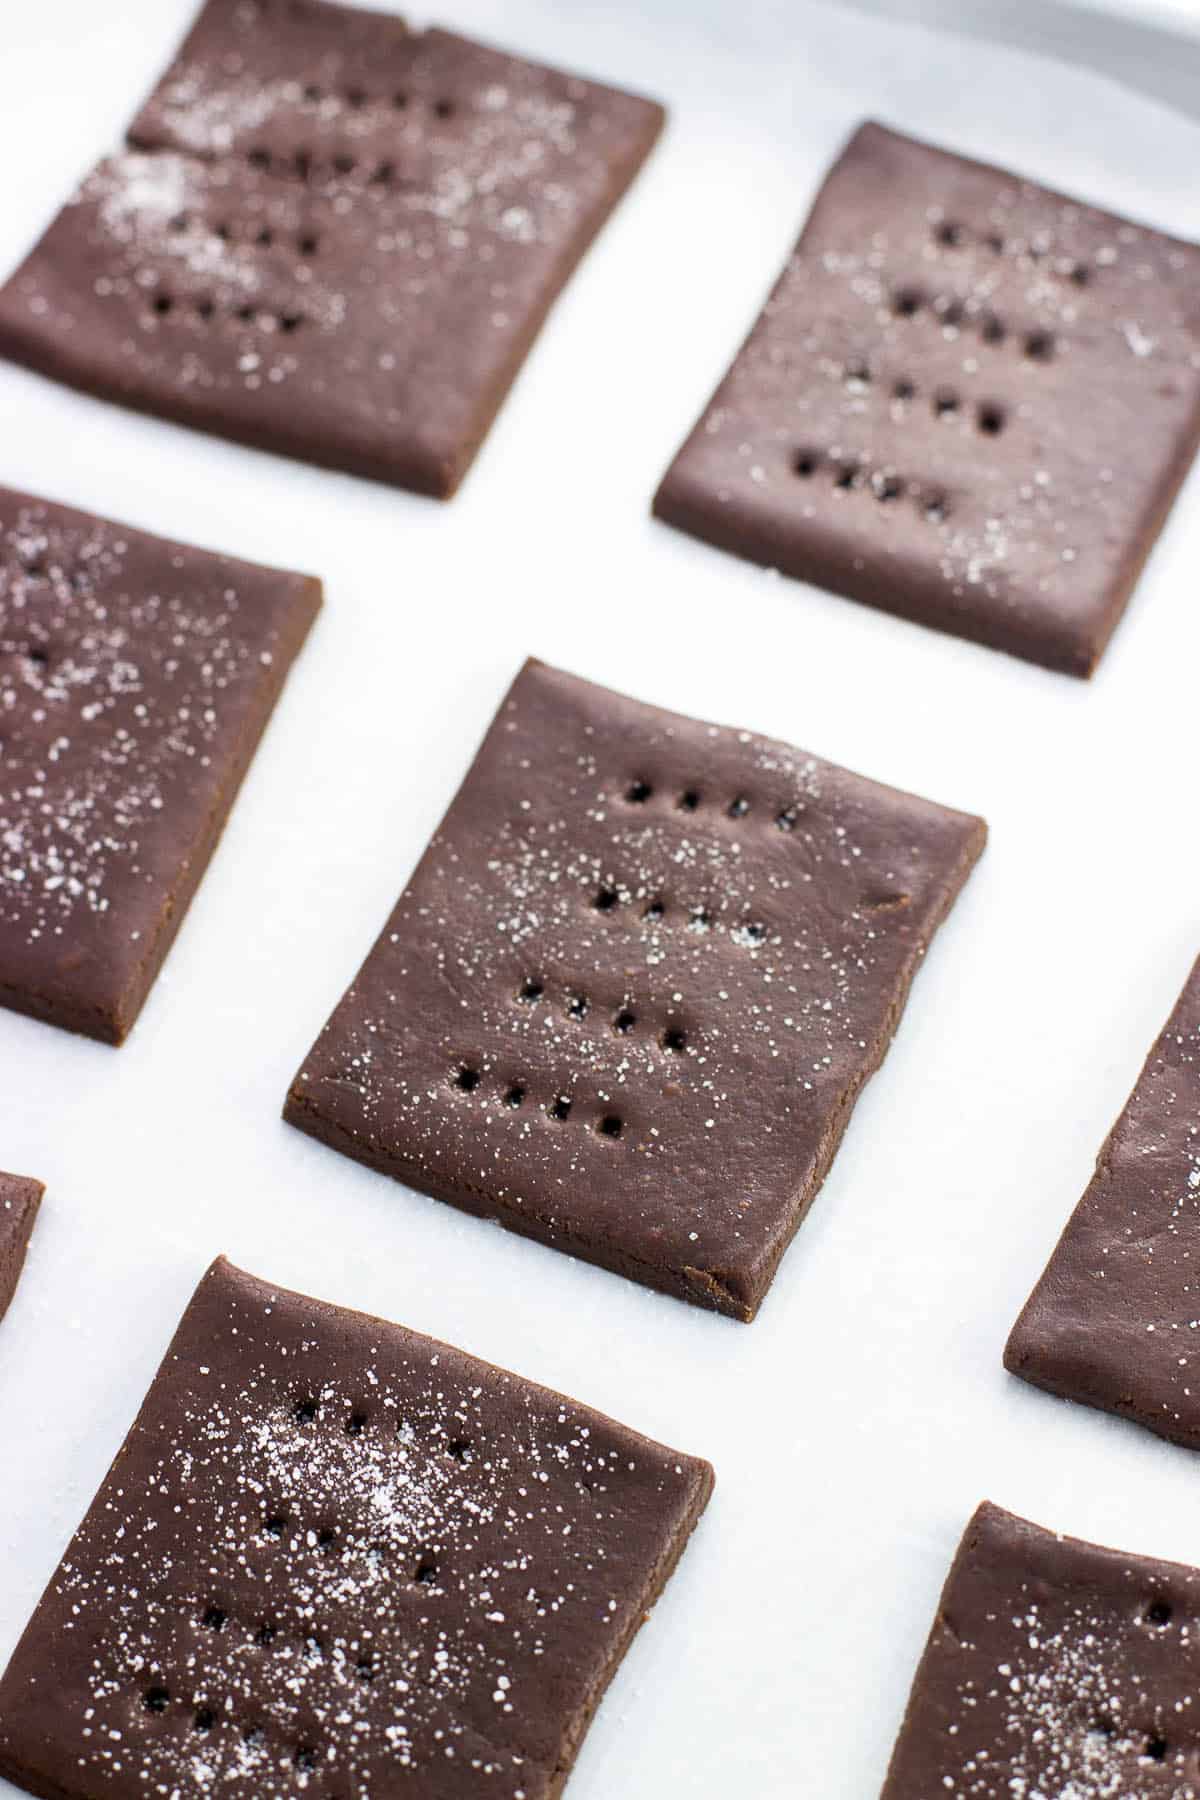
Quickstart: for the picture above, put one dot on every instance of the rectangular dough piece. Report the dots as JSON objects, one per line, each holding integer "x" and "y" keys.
{"x": 20, "y": 1199}
{"x": 136, "y": 679}
{"x": 329, "y": 236}
{"x": 1113, "y": 1321}
{"x": 629, "y": 997}
{"x": 969, "y": 400}
{"x": 335, "y": 1557}
{"x": 1054, "y": 1668}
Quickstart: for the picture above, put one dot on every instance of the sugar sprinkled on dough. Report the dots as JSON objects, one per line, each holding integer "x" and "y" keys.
{"x": 966, "y": 400}
{"x": 111, "y": 696}
{"x": 399, "y": 204}
{"x": 330, "y": 236}
{"x": 637, "y": 934}
{"x": 336, "y": 1551}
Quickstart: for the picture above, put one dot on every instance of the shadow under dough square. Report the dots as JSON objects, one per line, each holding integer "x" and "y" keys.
{"x": 329, "y": 236}
{"x": 1054, "y": 1668}
{"x": 631, "y": 992}
{"x": 1113, "y": 1322}
{"x": 20, "y": 1199}
{"x": 136, "y": 678}
{"x": 336, "y": 1556}
{"x": 969, "y": 401}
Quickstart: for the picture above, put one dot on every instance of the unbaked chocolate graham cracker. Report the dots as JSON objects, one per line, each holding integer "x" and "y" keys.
{"x": 1115, "y": 1319}
{"x": 330, "y": 236}
{"x": 1055, "y": 1670}
{"x": 629, "y": 997}
{"x": 969, "y": 400}
{"x": 136, "y": 678}
{"x": 337, "y": 1558}
{"x": 20, "y": 1199}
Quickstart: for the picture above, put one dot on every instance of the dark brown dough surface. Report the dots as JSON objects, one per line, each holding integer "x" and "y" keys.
{"x": 337, "y": 1558}
{"x": 1115, "y": 1319}
{"x": 19, "y": 1202}
{"x": 329, "y": 236}
{"x": 968, "y": 400}
{"x": 136, "y": 677}
{"x": 1055, "y": 1670}
{"x": 630, "y": 995}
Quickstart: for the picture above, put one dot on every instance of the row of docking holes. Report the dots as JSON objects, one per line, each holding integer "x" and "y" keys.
{"x": 749, "y": 934}
{"x": 469, "y": 1079}
{"x": 157, "y": 1699}
{"x": 640, "y": 792}
{"x": 884, "y": 484}
{"x": 948, "y": 234}
{"x": 302, "y": 165}
{"x": 424, "y": 1573}
{"x": 944, "y": 402}
{"x": 165, "y": 306}
{"x": 951, "y": 314}
{"x": 356, "y": 98}
{"x": 307, "y": 243}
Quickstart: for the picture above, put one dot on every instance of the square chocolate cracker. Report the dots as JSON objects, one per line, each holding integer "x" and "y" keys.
{"x": 969, "y": 400}
{"x": 136, "y": 678}
{"x": 335, "y": 1557}
{"x": 19, "y": 1202}
{"x": 1055, "y": 1670}
{"x": 630, "y": 995}
{"x": 1113, "y": 1320}
{"x": 329, "y": 236}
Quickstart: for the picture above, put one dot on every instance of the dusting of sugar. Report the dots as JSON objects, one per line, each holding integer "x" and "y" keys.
{"x": 382, "y": 1573}
{"x": 1076, "y": 1721}
{"x": 118, "y": 680}
{"x": 928, "y": 339}
{"x": 256, "y": 213}
{"x": 628, "y": 926}
{"x": 208, "y": 115}
{"x": 1134, "y": 1233}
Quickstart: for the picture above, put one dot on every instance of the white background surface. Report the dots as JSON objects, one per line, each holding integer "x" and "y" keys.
{"x": 856, "y": 1424}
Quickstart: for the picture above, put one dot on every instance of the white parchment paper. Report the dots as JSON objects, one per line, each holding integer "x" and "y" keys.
{"x": 858, "y": 1422}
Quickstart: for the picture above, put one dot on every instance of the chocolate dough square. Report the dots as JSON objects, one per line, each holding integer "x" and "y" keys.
{"x": 329, "y": 236}
{"x": 136, "y": 678}
{"x": 1054, "y": 1668}
{"x": 336, "y": 1557}
{"x": 19, "y": 1202}
{"x": 968, "y": 400}
{"x": 1115, "y": 1319}
{"x": 632, "y": 991}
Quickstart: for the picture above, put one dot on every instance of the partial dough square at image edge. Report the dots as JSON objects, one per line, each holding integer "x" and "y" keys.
{"x": 1112, "y": 1321}
{"x": 137, "y": 677}
{"x": 336, "y": 1557}
{"x": 20, "y": 1199}
{"x": 1054, "y": 1667}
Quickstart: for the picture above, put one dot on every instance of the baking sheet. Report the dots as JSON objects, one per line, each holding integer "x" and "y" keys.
{"x": 856, "y": 1424}
{"x": 1177, "y": 14}
{"x": 1151, "y": 46}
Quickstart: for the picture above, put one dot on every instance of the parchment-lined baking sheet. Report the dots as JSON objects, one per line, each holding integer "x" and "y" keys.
{"x": 858, "y": 1422}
